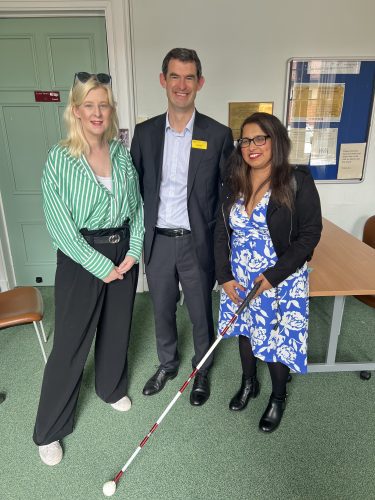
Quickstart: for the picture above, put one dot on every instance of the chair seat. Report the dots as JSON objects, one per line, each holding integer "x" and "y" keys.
{"x": 19, "y": 306}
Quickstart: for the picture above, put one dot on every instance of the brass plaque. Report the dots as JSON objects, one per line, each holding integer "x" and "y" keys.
{"x": 238, "y": 111}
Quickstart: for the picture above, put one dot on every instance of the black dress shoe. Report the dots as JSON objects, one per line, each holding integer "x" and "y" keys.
{"x": 249, "y": 389}
{"x": 156, "y": 383}
{"x": 2, "y": 397}
{"x": 200, "y": 391}
{"x": 272, "y": 416}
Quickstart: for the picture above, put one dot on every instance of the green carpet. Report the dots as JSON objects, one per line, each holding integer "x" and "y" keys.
{"x": 324, "y": 448}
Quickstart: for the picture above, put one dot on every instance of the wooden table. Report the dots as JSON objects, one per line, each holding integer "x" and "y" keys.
{"x": 341, "y": 265}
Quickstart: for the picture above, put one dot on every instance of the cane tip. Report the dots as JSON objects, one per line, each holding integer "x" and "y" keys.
{"x": 109, "y": 488}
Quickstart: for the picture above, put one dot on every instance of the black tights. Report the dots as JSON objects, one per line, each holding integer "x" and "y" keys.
{"x": 278, "y": 371}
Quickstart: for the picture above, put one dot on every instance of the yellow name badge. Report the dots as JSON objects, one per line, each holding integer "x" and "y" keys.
{"x": 198, "y": 144}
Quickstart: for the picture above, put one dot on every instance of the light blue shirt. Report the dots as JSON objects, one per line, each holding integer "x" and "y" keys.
{"x": 173, "y": 187}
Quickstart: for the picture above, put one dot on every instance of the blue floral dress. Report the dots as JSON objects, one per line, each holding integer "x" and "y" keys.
{"x": 276, "y": 322}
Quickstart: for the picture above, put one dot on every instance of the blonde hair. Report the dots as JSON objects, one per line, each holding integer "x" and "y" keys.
{"x": 75, "y": 140}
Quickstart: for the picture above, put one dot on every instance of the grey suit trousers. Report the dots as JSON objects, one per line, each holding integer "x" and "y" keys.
{"x": 173, "y": 260}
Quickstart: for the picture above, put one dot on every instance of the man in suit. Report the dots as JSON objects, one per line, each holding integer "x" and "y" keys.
{"x": 180, "y": 156}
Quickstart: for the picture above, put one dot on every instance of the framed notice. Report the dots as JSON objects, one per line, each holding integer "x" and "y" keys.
{"x": 238, "y": 111}
{"x": 328, "y": 111}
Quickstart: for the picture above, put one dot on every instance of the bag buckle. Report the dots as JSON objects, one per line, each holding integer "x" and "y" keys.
{"x": 114, "y": 238}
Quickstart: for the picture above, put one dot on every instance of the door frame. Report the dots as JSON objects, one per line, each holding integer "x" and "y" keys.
{"x": 117, "y": 14}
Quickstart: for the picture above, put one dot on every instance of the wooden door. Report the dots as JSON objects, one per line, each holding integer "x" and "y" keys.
{"x": 37, "y": 54}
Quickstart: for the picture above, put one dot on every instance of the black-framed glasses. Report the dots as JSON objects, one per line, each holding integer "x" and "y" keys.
{"x": 83, "y": 77}
{"x": 258, "y": 140}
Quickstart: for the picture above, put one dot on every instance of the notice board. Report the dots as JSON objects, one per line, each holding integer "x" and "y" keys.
{"x": 328, "y": 112}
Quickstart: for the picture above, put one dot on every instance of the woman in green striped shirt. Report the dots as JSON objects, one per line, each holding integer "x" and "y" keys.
{"x": 94, "y": 215}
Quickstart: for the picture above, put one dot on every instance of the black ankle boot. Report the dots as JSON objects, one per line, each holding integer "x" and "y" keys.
{"x": 272, "y": 416}
{"x": 249, "y": 389}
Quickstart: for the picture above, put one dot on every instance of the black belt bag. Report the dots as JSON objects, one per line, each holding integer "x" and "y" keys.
{"x": 106, "y": 236}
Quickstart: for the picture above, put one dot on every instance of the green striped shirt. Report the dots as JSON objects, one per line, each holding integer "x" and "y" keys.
{"x": 73, "y": 199}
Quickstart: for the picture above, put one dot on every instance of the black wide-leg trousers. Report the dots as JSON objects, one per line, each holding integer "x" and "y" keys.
{"x": 84, "y": 305}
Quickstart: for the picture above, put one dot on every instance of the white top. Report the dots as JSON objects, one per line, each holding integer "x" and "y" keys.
{"x": 106, "y": 182}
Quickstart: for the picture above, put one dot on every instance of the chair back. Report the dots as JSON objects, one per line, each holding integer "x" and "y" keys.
{"x": 369, "y": 239}
{"x": 369, "y": 232}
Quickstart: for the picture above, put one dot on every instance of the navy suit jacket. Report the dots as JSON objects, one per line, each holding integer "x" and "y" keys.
{"x": 205, "y": 172}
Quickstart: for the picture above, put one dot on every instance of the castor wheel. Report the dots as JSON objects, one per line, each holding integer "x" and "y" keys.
{"x": 289, "y": 379}
{"x": 365, "y": 375}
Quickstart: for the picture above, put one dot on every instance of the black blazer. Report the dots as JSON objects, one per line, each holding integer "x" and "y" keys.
{"x": 294, "y": 234}
{"x": 204, "y": 177}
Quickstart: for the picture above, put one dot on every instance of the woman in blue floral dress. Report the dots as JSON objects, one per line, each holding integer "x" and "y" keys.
{"x": 268, "y": 226}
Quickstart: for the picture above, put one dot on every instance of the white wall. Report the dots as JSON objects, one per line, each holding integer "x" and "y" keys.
{"x": 244, "y": 47}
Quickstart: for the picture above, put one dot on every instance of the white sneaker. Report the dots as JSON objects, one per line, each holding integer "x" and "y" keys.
{"x": 123, "y": 404}
{"x": 51, "y": 454}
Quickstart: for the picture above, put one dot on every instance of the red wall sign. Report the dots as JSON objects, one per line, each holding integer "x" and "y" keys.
{"x": 47, "y": 96}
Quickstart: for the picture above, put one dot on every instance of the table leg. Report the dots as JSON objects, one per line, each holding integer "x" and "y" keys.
{"x": 331, "y": 365}
{"x": 337, "y": 314}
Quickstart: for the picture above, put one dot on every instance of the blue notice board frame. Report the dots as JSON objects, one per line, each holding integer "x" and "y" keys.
{"x": 328, "y": 111}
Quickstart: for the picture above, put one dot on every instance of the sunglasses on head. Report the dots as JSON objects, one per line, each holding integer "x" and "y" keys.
{"x": 83, "y": 77}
